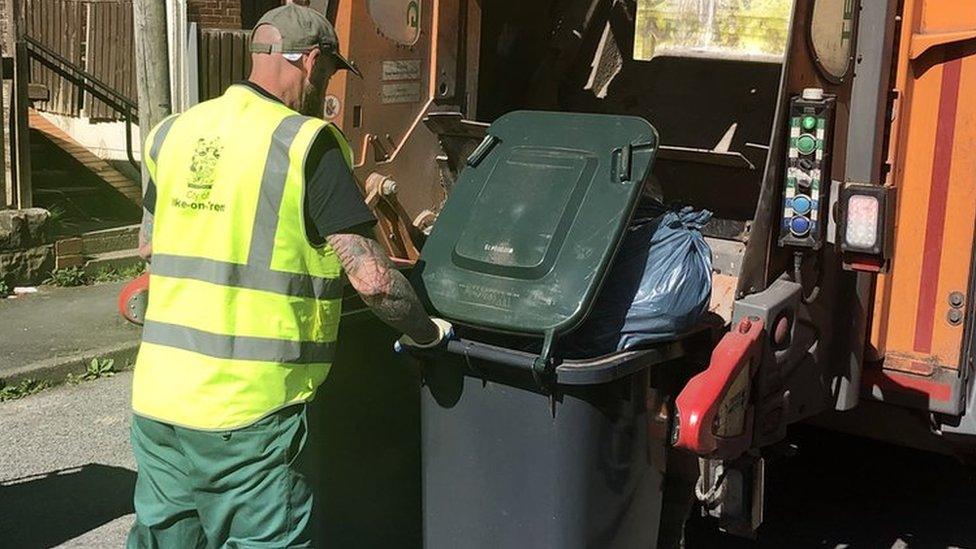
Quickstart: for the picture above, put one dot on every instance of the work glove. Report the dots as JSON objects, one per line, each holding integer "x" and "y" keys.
{"x": 445, "y": 332}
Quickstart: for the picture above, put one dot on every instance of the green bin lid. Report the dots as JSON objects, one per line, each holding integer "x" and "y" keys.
{"x": 528, "y": 232}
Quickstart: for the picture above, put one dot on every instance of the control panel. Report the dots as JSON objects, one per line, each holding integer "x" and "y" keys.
{"x": 805, "y": 195}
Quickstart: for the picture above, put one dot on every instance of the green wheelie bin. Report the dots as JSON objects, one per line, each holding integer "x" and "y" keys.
{"x": 520, "y": 447}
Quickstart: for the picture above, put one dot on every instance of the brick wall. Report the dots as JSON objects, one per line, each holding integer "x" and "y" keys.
{"x": 215, "y": 14}
{"x": 252, "y": 10}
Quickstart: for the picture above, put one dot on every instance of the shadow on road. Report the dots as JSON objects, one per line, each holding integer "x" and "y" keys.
{"x": 51, "y": 508}
{"x": 842, "y": 491}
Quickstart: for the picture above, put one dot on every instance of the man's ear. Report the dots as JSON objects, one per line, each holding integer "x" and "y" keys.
{"x": 310, "y": 60}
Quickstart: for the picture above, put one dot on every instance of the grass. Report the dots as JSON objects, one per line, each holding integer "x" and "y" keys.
{"x": 119, "y": 275}
{"x": 96, "y": 369}
{"x": 24, "y": 388}
{"x": 5, "y": 289}
{"x": 72, "y": 276}
{"x": 76, "y": 276}
{"x": 56, "y": 216}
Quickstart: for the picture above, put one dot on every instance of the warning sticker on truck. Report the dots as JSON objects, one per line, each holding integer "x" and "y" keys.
{"x": 407, "y": 92}
{"x": 406, "y": 69}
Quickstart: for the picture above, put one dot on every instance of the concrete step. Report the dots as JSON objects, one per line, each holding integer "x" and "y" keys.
{"x": 67, "y": 191}
{"x": 51, "y": 171}
{"x": 112, "y": 261}
{"x": 110, "y": 240}
{"x": 106, "y": 244}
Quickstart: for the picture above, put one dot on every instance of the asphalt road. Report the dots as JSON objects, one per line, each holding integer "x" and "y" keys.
{"x": 60, "y": 324}
{"x": 66, "y": 479}
{"x": 66, "y": 472}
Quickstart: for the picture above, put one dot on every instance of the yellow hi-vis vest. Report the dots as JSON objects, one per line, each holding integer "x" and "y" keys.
{"x": 243, "y": 311}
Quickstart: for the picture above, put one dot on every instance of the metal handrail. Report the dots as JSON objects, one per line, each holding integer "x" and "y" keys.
{"x": 81, "y": 77}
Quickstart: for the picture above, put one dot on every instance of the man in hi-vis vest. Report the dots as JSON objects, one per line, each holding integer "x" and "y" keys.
{"x": 253, "y": 216}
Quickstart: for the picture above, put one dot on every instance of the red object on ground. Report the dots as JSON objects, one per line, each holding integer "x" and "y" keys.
{"x": 714, "y": 412}
{"x": 134, "y": 298}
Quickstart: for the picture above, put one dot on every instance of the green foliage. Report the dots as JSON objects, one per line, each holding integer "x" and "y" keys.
{"x": 72, "y": 276}
{"x": 56, "y": 216}
{"x": 76, "y": 276}
{"x": 121, "y": 274}
{"x": 5, "y": 290}
{"x": 98, "y": 368}
{"x": 22, "y": 389}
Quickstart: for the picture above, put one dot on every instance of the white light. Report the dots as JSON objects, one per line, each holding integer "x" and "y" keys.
{"x": 862, "y": 221}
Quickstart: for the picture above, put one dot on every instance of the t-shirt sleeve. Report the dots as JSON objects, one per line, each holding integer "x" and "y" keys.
{"x": 149, "y": 197}
{"x": 333, "y": 202}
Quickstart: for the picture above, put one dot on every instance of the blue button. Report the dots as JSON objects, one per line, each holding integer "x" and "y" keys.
{"x": 801, "y": 204}
{"x": 799, "y": 225}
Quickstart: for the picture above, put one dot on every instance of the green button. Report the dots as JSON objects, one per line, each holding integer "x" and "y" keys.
{"x": 806, "y": 144}
{"x": 809, "y": 122}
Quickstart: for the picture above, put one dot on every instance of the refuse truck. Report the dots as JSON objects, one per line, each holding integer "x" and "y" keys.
{"x": 832, "y": 145}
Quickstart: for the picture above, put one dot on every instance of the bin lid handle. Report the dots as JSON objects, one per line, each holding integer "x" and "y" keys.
{"x": 481, "y": 151}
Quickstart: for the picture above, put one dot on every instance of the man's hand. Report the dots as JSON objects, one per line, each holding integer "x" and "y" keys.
{"x": 445, "y": 332}
{"x": 384, "y": 290}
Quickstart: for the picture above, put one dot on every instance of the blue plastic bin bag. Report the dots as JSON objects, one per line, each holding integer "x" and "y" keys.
{"x": 657, "y": 289}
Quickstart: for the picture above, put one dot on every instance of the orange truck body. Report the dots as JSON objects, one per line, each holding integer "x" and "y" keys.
{"x": 916, "y": 340}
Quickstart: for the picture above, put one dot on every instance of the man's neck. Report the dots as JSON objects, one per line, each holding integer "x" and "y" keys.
{"x": 258, "y": 89}
{"x": 272, "y": 88}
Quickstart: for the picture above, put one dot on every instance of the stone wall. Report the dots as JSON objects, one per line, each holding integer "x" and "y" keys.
{"x": 25, "y": 255}
{"x": 4, "y": 28}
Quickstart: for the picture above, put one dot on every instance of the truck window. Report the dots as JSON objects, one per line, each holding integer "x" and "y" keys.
{"x": 730, "y": 29}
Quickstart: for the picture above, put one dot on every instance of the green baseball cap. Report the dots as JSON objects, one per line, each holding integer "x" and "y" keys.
{"x": 301, "y": 29}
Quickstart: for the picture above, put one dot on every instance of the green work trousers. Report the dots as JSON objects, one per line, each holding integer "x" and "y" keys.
{"x": 247, "y": 487}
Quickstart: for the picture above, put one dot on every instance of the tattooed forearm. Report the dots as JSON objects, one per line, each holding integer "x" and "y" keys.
{"x": 382, "y": 287}
{"x": 145, "y": 235}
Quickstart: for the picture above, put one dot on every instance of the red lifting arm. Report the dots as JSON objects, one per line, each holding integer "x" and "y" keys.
{"x": 714, "y": 416}
{"x": 134, "y": 298}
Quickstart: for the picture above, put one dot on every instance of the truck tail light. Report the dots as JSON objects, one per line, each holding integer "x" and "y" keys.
{"x": 866, "y": 226}
{"x": 862, "y": 222}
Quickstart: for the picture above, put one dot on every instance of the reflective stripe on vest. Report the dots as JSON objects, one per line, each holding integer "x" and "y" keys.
{"x": 237, "y": 347}
{"x": 243, "y": 312}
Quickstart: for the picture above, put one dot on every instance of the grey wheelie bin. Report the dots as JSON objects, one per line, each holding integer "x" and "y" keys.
{"x": 520, "y": 448}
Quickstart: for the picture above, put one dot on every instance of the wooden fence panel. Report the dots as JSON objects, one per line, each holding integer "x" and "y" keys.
{"x": 96, "y": 35}
{"x": 224, "y": 59}
{"x": 59, "y": 25}
{"x": 111, "y": 54}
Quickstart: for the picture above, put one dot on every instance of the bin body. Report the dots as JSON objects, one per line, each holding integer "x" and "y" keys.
{"x": 500, "y": 470}
{"x": 365, "y": 440}
{"x": 521, "y": 248}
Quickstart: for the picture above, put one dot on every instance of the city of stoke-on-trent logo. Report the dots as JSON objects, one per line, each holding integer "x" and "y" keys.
{"x": 202, "y": 168}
